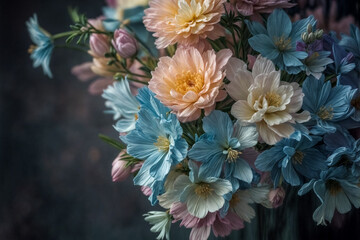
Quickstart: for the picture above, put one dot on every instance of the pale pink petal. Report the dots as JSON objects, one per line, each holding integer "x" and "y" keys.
{"x": 98, "y": 86}
{"x": 83, "y": 71}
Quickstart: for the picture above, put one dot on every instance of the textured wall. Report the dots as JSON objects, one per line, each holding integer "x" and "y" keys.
{"x": 55, "y": 178}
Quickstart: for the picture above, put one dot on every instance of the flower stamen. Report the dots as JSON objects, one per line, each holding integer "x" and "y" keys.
{"x": 188, "y": 81}
{"x": 282, "y": 43}
{"x": 203, "y": 189}
{"x": 333, "y": 186}
{"x": 298, "y": 157}
{"x": 325, "y": 113}
{"x": 273, "y": 99}
{"x": 162, "y": 143}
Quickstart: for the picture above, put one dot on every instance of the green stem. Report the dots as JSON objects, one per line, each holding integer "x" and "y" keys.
{"x": 63, "y": 34}
{"x": 142, "y": 63}
{"x": 71, "y": 47}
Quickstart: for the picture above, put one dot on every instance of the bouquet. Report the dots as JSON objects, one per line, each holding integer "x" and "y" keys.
{"x": 221, "y": 105}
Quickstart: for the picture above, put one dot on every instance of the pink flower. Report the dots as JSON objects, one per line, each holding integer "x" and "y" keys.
{"x": 223, "y": 226}
{"x": 184, "y": 21}
{"x": 83, "y": 71}
{"x": 276, "y": 197}
{"x": 97, "y": 87}
{"x": 124, "y": 43}
{"x": 119, "y": 171}
{"x": 254, "y": 7}
{"x": 99, "y": 45}
{"x": 146, "y": 191}
{"x": 190, "y": 81}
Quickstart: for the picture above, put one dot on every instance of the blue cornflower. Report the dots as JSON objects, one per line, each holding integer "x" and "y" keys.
{"x": 293, "y": 158}
{"x": 345, "y": 151}
{"x": 352, "y": 44}
{"x": 123, "y": 104}
{"x": 278, "y": 41}
{"x": 327, "y": 105}
{"x": 336, "y": 189}
{"x": 222, "y": 144}
{"x": 41, "y": 52}
{"x": 157, "y": 140}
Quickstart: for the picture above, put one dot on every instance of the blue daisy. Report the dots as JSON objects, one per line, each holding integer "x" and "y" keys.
{"x": 157, "y": 140}
{"x": 327, "y": 105}
{"x": 123, "y": 105}
{"x": 41, "y": 52}
{"x": 337, "y": 190}
{"x": 294, "y": 159}
{"x": 222, "y": 144}
{"x": 278, "y": 41}
{"x": 352, "y": 44}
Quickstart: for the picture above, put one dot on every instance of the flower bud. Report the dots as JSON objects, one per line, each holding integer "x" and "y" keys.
{"x": 311, "y": 37}
{"x": 304, "y": 37}
{"x": 319, "y": 34}
{"x": 99, "y": 45}
{"x": 276, "y": 197}
{"x": 309, "y": 28}
{"x": 119, "y": 171}
{"x": 124, "y": 43}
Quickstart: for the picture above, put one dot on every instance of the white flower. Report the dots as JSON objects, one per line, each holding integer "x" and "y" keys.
{"x": 201, "y": 195}
{"x": 263, "y": 99}
{"x": 161, "y": 222}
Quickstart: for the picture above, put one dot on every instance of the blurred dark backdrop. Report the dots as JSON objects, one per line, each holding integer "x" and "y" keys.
{"x": 55, "y": 180}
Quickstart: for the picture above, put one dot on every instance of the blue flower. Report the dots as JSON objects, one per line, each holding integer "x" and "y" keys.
{"x": 156, "y": 140}
{"x": 336, "y": 189}
{"x": 345, "y": 151}
{"x": 343, "y": 61}
{"x": 327, "y": 105}
{"x": 123, "y": 104}
{"x": 294, "y": 159}
{"x": 222, "y": 144}
{"x": 352, "y": 44}
{"x": 41, "y": 52}
{"x": 278, "y": 41}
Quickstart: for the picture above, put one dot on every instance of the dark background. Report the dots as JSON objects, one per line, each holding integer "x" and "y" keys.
{"x": 55, "y": 180}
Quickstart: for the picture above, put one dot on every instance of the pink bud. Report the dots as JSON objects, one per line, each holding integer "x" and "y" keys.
{"x": 276, "y": 197}
{"x": 146, "y": 190}
{"x": 99, "y": 45}
{"x": 124, "y": 43}
{"x": 119, "y": 172}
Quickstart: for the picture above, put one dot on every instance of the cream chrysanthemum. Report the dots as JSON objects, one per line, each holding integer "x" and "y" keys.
{"x": 265, "y": 100}
{"x": 190, "y": 81}
{"x": 184, "y": 21}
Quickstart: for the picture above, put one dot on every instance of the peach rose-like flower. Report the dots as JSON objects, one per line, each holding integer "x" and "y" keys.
{"x": 190, "y": 81}
{"x": 263, "y": 99}
{"x": 184, "y": 21}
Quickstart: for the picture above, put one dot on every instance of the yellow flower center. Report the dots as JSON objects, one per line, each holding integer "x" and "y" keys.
{"x": 162, "y": 143}
{"x": 273, "y": 99}
{"x": 234, "y": 200}
{"x": 232, "y": 155}
{"x": 325, "y": 113}
{"x": 32, "y": 49}
{"x": 136, "y": 117}
{"x": 282, "y": 43}
{"x": 333, "y": 186}
{"x": 203, "y": 189}
{"x": 298, "y": 157}
{"x": 188, "y": 81}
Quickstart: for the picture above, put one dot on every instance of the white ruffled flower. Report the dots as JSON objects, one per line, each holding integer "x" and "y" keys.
{"x": 263, "y": 99}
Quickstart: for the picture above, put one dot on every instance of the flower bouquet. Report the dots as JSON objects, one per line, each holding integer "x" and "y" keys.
{"x": 220, "y": 105}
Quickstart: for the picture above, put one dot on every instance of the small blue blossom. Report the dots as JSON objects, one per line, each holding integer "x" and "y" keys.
{"x": 278, "y": 41}
{"x": 352, "y": 44}
{"x": 123, "y": 104}
{"x": 345, "y": 151}
{"x": 337, "y": 190}
{"x": 222, "y": 145}
{"x": 157, "y": 140}
{"x": 294, "y": 159}
{"x": 41, "y": 52}
{"x": 343, "y": 61}
{"x": 327, "y": 105}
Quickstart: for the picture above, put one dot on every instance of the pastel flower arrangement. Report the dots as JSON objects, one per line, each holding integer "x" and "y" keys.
{"x": 223, "y": 95}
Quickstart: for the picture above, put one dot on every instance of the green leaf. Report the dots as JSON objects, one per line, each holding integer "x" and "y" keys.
{"x": 74, "y": 14}
{"x": 113, "y": 142}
